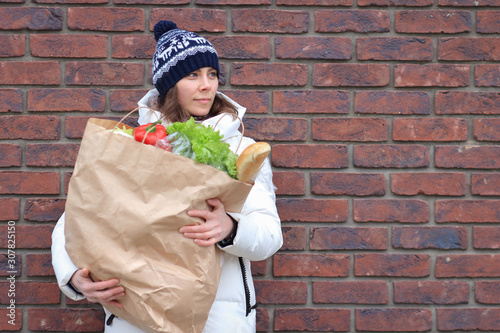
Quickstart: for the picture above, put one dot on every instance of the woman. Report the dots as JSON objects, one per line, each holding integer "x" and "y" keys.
{"x": 185, "y": 75}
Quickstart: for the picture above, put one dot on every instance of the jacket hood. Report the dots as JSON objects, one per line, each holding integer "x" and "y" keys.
{"x": 223, "y": 123}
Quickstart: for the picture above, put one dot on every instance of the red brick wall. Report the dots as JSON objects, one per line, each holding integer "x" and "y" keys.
{"x": 384, "y": 121}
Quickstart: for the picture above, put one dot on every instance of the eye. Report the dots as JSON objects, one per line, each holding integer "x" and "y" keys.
{"x": 212, "y": 74}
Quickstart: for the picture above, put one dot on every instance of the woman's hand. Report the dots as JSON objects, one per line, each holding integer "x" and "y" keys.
{"x": 218, "y": 225}
{"x": 104, "y": 292}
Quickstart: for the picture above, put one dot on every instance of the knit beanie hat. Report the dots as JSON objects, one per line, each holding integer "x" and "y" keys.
{"x": 178, "y": 53}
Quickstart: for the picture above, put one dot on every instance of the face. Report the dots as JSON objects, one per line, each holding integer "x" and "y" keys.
{"x": 196, "y": 91}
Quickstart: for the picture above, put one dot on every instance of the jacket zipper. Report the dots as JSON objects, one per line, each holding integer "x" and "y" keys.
{"x": 249, "y": 307}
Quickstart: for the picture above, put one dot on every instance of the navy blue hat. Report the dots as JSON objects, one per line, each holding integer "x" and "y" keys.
{"x": 178, "y": 53}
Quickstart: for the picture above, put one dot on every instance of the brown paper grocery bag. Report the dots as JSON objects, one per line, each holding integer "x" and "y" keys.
{"x": 126, "y": 202}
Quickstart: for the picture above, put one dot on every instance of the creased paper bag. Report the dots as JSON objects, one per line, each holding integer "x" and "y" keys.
{"x": 126, "y": 202}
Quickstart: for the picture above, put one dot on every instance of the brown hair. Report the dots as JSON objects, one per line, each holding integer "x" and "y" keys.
{"x": 170, "y": 108}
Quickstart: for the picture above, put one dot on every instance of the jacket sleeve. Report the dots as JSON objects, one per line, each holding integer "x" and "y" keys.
{"x": 63, "y": 266}
{"x": 259, "y": 228}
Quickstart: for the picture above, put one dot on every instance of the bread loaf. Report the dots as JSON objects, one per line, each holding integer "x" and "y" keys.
{"x": 250, "y": 160}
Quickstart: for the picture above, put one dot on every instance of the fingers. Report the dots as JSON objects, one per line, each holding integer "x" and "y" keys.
{"x": 105, "y": 292}
{"x": 108, "y": 296}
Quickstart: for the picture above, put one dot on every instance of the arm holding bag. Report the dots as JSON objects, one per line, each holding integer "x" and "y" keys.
{"x": 126, "y": 202}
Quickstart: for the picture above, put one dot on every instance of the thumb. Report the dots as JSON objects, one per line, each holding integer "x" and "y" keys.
{"x": 84, "y": 272}
{"x": 215, "y": 203}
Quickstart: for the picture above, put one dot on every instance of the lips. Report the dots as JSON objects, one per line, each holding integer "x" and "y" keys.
{"x": 203, "y": 100}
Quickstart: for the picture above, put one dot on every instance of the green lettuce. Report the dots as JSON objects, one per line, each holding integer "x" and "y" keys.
{"x": 206, "y": 145}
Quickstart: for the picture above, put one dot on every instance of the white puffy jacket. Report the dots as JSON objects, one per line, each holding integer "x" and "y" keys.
{"x": 258, "y": 237}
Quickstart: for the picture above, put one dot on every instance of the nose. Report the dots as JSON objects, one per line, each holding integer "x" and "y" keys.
{"x": 204, "y": 82}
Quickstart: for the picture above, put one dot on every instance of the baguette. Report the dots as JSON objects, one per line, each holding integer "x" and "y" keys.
{"x": 250, "y": 160}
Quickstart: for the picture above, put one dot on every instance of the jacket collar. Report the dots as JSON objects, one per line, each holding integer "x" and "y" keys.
{"x": 222, "y": 123}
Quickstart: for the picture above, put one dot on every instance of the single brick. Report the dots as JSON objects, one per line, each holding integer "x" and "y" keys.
{"x": 468, "y": 211}
{"x": 31, "y": 18}
{"x": 310, "y": 156}
{"x": 467, "y": 157}
{"x": 352, "y": 184}
{"x": 311, "y": 319}
{"x": 433, "y": 21}
{"x": 294, "y": 238}
{"x": 468, "y": 3}
{"x": 395, "y": 265}
{"x": 281, "y": 292}
{"x": 133, "y": 46}
{"x": 487, "y": 75}
{"x": 262, "y": 317}
{"x": 242, "y": 47}
{"x": 268, "y": 74}
{"x": 289, "y": 182}
{"x": 57, "y": 319}
{"x": 43, "y": 73}
{"x": 431, "y": 75}
{"x": 11, "y": 100}
{"x": 311, "y": 101}
{"x": 68, "y": 46}
{"x": 354, "y": 75}
{"x": 392, "y": 102}
{"x": 13, "y": 320}
{"x": 469, "y": 49}
{"x": 259, "y": 268}
{"x": 52, "y": 154}
{"x": 467, "y": 102}
{"x": 30, "y": 127}
{"x": 191, "y": 19}
{"x": 487, "y": 20}
{"x": 276, "y": 129}
{"x": 43, "y": 209}
{"x": 348, "y": 238}
{"x": 487, "y": 129}
{"x": 314, "y": 2}
{"x": 256, "y": 101}
{"x": 470, "y": 319}
{"x": 90, "y": 100}
{"x": 485, "y": 184}
{"x": 394, "y": 320}
{"x": 488, "y": 292}
{"x": 270, "y": 21}
{"x": 10, "y": 155}
{"x": 29, "y": 182}
{"x": 125, "y": 100}
{"x": 312, "y": 210}
{"x": 391, "y": 210}
{"x": 339, "y": 48}
{"x": 12, "y": 45}
{"x": 468, "y": 265}
{"x": 395, "y": 48}
{"x": 106, "y": 19}
{"x": 323, "y": 265}
{"x": 429, "y": 129}
{"x": 29, "y": 236}
{"x": 7, "y": 267}
{"x": 414, "y": 183}
{"x": 75, "y": 126}
{"x": 104, "y": 73}
{"x": 442, "y": 238}
{"x": 391, "y": 156}
{"x": 431, "y": 292}
{"x": 351, "y": 292}
{"x": 31, "y": 293}
{"x": 410, "y": 3}
{"x": 9, "y": 209}
{"x": 39, "y": 264}
{"x": 362, "y": 21}
{"x": 350, "y": 129}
